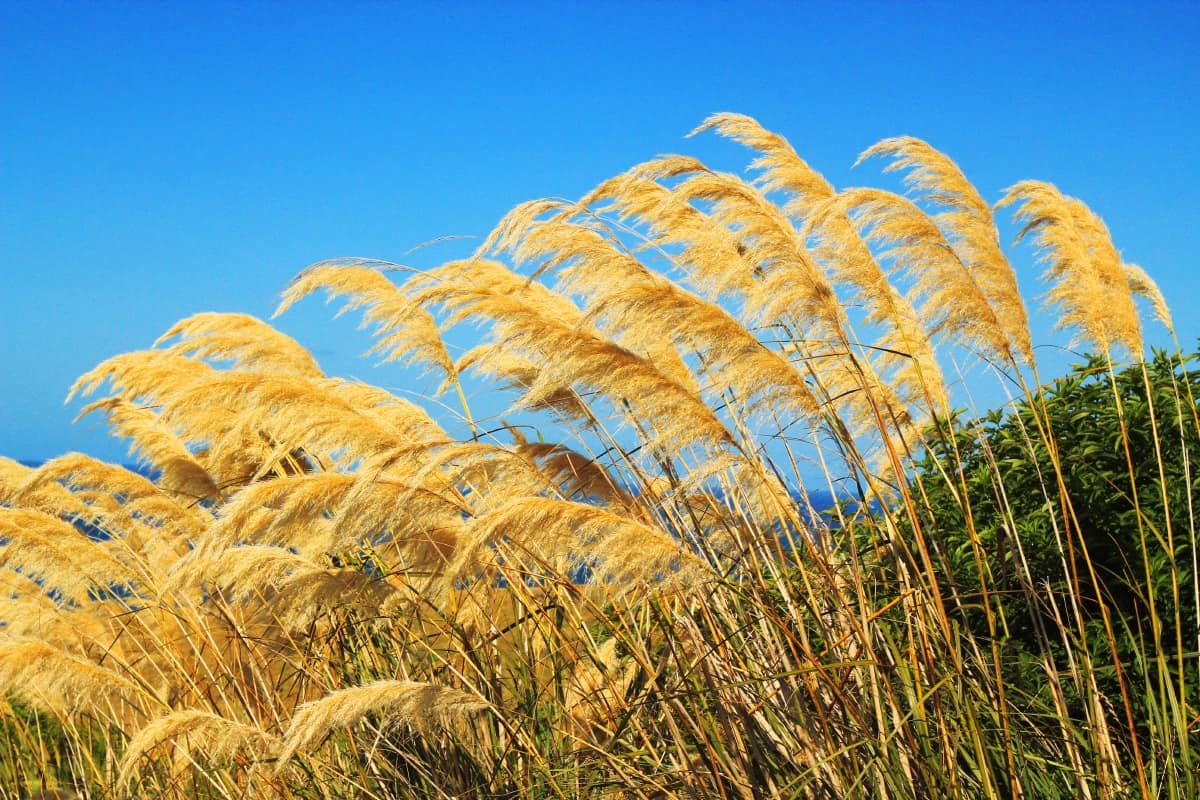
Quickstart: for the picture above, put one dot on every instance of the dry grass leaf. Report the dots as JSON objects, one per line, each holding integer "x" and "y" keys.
{"x": 596, "y": 689}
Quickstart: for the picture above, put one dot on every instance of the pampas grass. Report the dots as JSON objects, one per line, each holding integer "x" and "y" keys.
{"x": 423, "y": 706}
{"x": 326, "y": 590}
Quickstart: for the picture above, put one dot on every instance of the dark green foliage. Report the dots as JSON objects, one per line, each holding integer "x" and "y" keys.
{"x": 1047, "y": 516}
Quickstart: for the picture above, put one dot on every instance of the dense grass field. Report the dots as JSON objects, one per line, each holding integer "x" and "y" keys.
{"x": 328, "y": 590}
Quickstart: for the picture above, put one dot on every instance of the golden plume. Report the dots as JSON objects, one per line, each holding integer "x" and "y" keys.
{"x": 403, "y": 328}
{"x": 140, "y": 523}
{"x": 637, "y": 306}
{"x": 790, "y": 285}
{"x": 522, "y": 374}
{"x": 948, "y": 296}
{"x": 423, "y": 706}
{"x": 1087, "y": 285}
{"x": 64, "y": 684}
{"x": 409, "y": 420}
{"x": 53, "y": 550}
{"x": 725, "y": 257}
{"x": 548, "y": 329}
{"x": 720, "y": 259}
{"x": 188, "y": 736}
{"x": 247, "y": 342}
{"x": 29, "y": 612}
{"x": 535, "y": 530}
{"x": 781, "y": 166}
{"x": 142, "y": 502}
{"x": 289, "y": 511}
{"x": 1141, "y": 284}
{"x": 711, "y": 254}
{"x": 286, "y": 589}
{"x": 79, "y": 472}
{"x": 30, "y": 488}
{"x": 902, "y": 357}
{"x": 485, "y": 475}
{"x": 268, "y": 417}
{"x": 596, "y": 690}
{"x": 146, "y": 376}
{"x": 575, "y": 475}
{"x": 12, "y": 474}
{"x": 325, "y": 512}
{"x": 656, "y": 350}
{"x": 157, "y": 445}
{"x": 1123, "y": 317}
{"x": 968, "y": 225}
{"x": 905, "y": 350}
{"x": 415, "y": 523}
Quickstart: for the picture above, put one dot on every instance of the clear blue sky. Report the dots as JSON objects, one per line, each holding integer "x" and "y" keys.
{"x": 159, "y": 159}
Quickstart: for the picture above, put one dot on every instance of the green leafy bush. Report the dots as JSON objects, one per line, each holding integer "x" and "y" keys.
{"x": 1077, "y": 506}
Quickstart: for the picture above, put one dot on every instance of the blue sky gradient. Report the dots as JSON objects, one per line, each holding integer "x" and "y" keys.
{"x": 162, "y": 159}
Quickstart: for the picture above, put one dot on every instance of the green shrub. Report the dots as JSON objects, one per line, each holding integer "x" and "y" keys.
{"x": 1024, "y": 560}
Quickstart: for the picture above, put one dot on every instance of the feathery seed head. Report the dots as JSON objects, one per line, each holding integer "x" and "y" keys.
{"x": 968, "y": 226}
{"x": 1087, "y": 283}
{"x": 248, "y": 343}
{"x": 403, "y": 328}
{"x": 423, "y": 706}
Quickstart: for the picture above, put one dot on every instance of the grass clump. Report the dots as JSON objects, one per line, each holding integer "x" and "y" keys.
{"x": 328, "y": 592}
